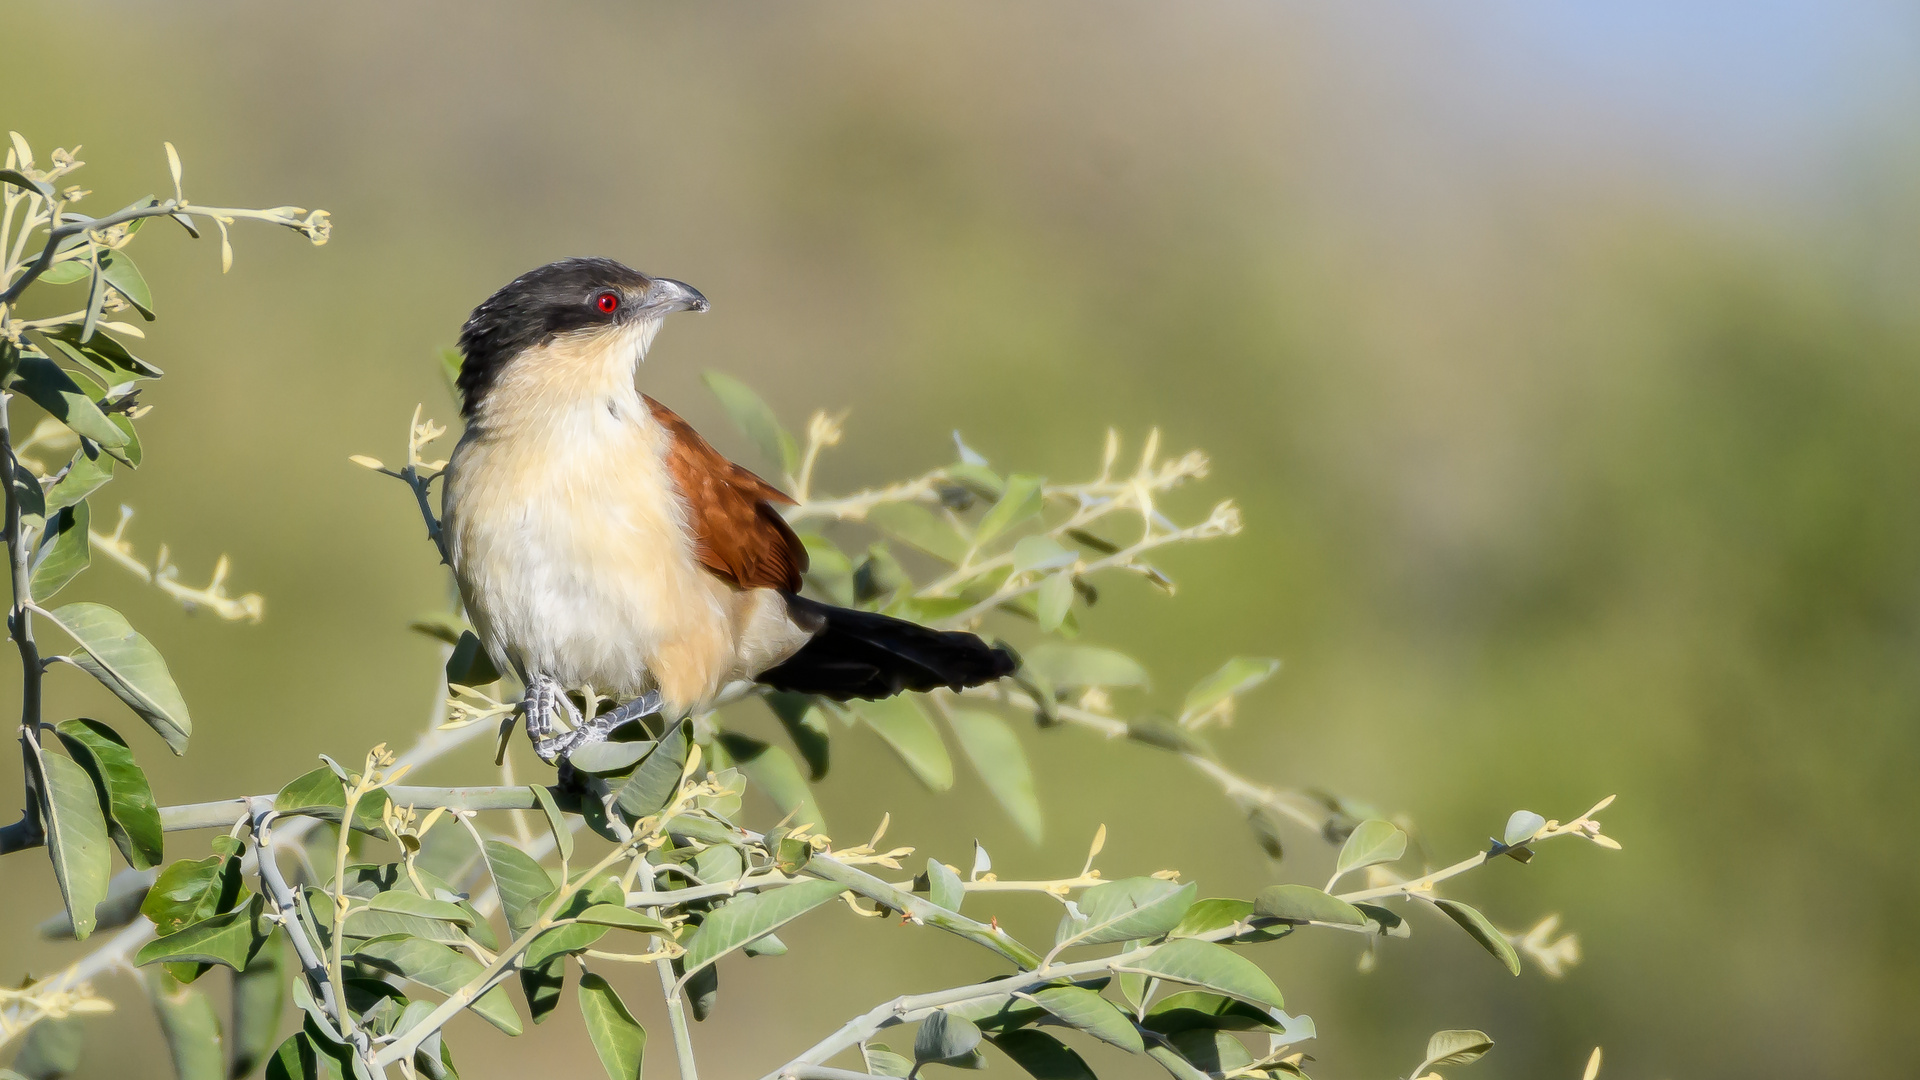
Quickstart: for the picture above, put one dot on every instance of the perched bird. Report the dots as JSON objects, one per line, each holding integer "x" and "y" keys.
{"x": 600, "y": 542}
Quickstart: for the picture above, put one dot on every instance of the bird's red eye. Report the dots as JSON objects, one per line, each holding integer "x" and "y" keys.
{"x": 607, "y": 302}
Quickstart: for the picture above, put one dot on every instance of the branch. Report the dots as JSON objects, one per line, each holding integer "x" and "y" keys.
{"x": 434, "y": 744}
{"x": 30, "y": 831}
{"x": 921, "y": 910}
{"x": 911, "y": 1007}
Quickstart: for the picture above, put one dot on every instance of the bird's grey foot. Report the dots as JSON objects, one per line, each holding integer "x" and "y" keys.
{"x": 596, "y": 730}
{"x": 544, "y": 698}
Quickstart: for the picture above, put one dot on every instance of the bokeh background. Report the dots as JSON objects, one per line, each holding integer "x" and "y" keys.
{"x": 1565, "y": 359}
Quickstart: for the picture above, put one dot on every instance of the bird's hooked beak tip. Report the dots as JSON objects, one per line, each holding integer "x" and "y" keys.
{"x": 670, "y": 295}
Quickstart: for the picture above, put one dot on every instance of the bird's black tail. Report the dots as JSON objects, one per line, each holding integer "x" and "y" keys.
{"x": 861, "y": 654}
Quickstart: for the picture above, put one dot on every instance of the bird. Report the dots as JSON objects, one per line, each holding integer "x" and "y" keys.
{"x": 601, "y": 544}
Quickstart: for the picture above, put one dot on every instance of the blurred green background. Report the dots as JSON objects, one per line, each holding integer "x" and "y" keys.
{"x": 1565, "y": 359}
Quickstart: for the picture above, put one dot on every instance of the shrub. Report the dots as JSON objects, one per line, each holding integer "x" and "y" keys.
{"x": 397, "y": 909}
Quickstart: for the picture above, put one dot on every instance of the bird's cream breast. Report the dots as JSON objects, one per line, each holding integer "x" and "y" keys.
{"x": 570, "y": 542}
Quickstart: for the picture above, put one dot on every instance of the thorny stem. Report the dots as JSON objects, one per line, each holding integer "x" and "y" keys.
{"x": 320, "y": 974}
{"x": 677, "y": 1019}
{"x": 1289, "y": 804}
{"x": 402, "y": 1049}
{"x": 336, "y": 958}
{"x": 1223, "y": 522}
{"x": 911, "y": 1007}
{"x": 77, "y": 224}
{"x": 1421, "y": 888}
{"x": 113, "y": 954}
{"x": 669, "y": 986}
{"x": 20, "y": 624}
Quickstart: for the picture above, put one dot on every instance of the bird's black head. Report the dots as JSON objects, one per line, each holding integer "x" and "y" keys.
{"x": 566, "y": 297}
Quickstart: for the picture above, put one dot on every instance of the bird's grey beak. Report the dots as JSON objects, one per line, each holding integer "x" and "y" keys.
{"x": 666, "y": 294}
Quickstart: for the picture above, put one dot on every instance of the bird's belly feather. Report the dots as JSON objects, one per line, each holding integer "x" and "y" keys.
{"x": 573, "y": 557}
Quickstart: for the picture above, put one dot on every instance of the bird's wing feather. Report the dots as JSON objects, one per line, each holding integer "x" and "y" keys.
{"x": 737, "y": 533}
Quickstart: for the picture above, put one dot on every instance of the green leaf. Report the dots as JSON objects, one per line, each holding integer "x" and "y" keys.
{"x": 437, "y": 967}
{"x": 125, "y": 277}
{"x": 944, "y": 1037}
{"x": 440, "y": 626}
{"x": 1266, "y": 829}
{"x": 1375, "y": 841}
{"x": 623, "y": 918}
{"x": 1170, "y": 1060}
{"x": 130, "y": 666}
{"x": 302, "y": 1057}
{"x": 60, "y": 552}
{"x": 76, "y": 839}
{"x": 100, "y": 354}
{"x": 806, "y": 725}
{"x": 89, "y": 469}
{"x": 52, "y": 1049}
{"x": 1076, "y": 1006}
{"x": 755, "y": 420}
{"x": 190, "y": 890}
{"x": 916, "y": 525}
{"x": 829, "y": 570}
{"x": 230, "y": 939}
{"x": 653, "y": 785}
{"x": 703, "y": 990}
{"x": 1072, "y": 665}
{"x": 904, "y": 726}
{"x": 1212, "y": 1052}
{"x": 1202, "y": 963}
{"x": 1126, "y": 909}
{"x": 1043, "y": 1056}
{"x": 1522, "y": 827}
{"x": 322, "y": 794}
{"x": 1054, "y": 600}
{"x": 129, "y": 453}
{"x": 407, "y": 902}
{"x": 773, "y": 771}
{"x": 1483, "y": 931}
{"x": 997, "y": 755}
{"x": 27, "y": 493}
{"x": 617, "y": 1037}
{"x": 1304, "y": 903}
{"x": 610, "y": 758}
{"x": 1455, "y": 1047}
{"x": 1042, "y": 552}
{"x": 748, "y": 917}
{"x": 556, "y": 822}
{"x": 1132, "y": 984}
{"x": 259, "y": 997}
{"x": 365, "y": 923}
{"x": 562, "y": 940}
{"x": 525, "y": 886}
{"x": 126, "y": 891}
{"x": 192, "y": 1030}
{"x": 469, "y": 664}
{"x": 450, "y": 364}
{"x": 1235, "y": 677}
{"x": 542, "y": 986}
{"x": 771, "y": 945}
{"x": 127, "y": 800}
{"x": 1216, "y": 912}
{"x": 44, "y": 383}
{"x": 1021, "y": 501}
{"x": 944, "y": 887}
{"x": 1198, "y": 1009}
{"x": 1388, "y": 922}
{"x": 882, "y": 1061}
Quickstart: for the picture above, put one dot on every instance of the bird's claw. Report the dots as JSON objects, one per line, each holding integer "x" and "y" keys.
{"x": 541, "y": 700}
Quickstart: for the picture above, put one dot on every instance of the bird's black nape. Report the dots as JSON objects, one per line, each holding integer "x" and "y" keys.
{"x": 863, "y": 654}
{"x": 531, "y": 310}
